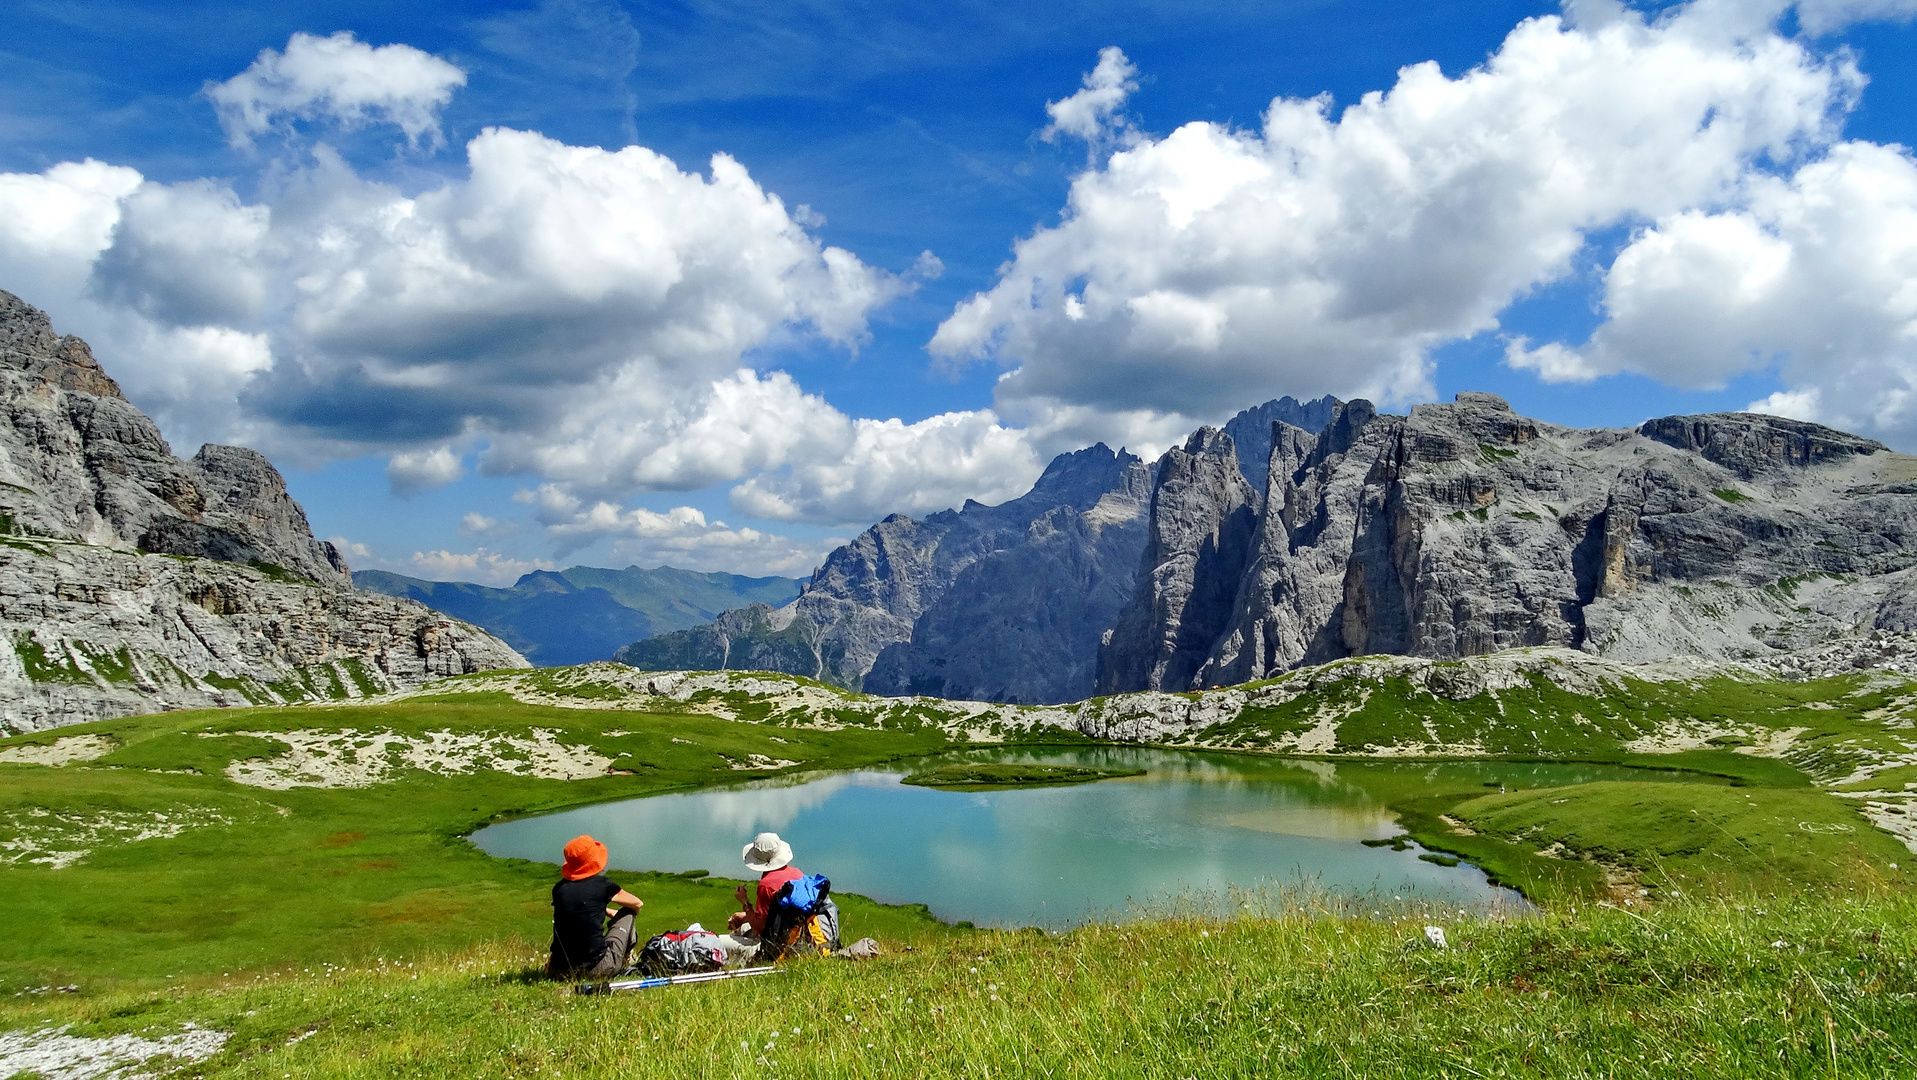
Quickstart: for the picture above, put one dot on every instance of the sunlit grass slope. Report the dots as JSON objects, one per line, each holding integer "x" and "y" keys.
{"x": 155, "y": 862}
{"x": 1817, "y": 986}
{"x": 256, "y": 876}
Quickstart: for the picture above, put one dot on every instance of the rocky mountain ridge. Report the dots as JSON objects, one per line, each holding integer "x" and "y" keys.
{"x": 994, "y": 603}
{"x": 132, "y": 581}
{"x": 1463, "y": 529}
{"x": 1067, "y": 537}
{"x": 1457, "y": 530}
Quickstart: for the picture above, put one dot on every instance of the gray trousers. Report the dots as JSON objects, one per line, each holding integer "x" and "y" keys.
{"x": 740, "y": 946}
{"x": 612, "y": 960}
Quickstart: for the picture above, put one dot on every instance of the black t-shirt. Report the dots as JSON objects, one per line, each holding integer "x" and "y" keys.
{"x": 579, "y": 921}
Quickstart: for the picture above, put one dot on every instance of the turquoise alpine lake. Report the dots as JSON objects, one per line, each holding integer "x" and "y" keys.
{"x": 1193, "y": 830}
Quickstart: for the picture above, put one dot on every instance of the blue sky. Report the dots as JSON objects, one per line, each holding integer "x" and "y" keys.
{"x": 463, "y": 352}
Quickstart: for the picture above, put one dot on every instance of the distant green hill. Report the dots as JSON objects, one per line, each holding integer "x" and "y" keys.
{"x": 585, "y": 613}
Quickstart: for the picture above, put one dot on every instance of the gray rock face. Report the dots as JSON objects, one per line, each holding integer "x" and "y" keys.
{"x": 1002, "y": 603}
{"x": 132, "y": 581}
{"x": 79, "y": 462}
{"x": 1024, "y": 624}
{"x": 1204, "y": 518}
{"x": 1464, "y": 529}
{"x": 1250, "y": 431}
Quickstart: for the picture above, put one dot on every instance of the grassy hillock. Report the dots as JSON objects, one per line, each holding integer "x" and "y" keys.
{"x": 989, "y": 777}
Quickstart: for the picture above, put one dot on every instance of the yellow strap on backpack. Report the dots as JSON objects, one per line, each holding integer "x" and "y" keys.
{"x": 813, "y": 928}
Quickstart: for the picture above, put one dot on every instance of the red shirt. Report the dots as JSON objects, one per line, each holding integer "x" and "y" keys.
{"x": 770, "y": 883}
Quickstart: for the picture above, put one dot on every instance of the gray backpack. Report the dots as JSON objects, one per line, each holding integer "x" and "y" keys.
{"x": 680, "y": 952}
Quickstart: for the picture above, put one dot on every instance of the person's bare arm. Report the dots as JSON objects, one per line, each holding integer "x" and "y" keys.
{"x": 627, "y": 900}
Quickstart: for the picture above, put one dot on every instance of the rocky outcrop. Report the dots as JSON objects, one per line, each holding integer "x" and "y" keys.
{"x": 79, "y": 462}
{"x": 1251, "y": 431}
{"x": 1024, "y": 624}
{"x": 1459, "y": 530}
{"x": 1003, "y": 603}
{"x": 1465, "y": 529}
{"x": 132, "y": 581}
{"x": 1204, "y": 519}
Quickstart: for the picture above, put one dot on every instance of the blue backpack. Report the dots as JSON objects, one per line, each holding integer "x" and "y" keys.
{"x": 803, "y": 919}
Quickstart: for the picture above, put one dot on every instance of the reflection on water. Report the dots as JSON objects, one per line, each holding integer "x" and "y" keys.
{"x": 1194, "y": 823}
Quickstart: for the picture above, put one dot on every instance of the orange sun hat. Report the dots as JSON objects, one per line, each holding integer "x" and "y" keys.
{"x": 584, "y": 858}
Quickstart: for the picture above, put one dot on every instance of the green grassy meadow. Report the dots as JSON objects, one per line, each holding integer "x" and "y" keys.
{"x": 343, "y": 874}
{"x": 1815, "y": 986}
{"x": 1738, "y": 918}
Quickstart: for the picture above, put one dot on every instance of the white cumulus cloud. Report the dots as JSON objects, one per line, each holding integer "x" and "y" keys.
{"x": 341, "y": 78}
{"x": 875, "y": 467}
{"x": 1094, "y": 112}
{"x": 54, "y": 224}
{"x": 1814, "y": 275}
{"x": 1332, "y": 252}
{"x": 416, "y": 470}
{"x": 680, "y": 536}
{"x": 803, "y": 459}
{"x": 475, "y": 523}
{"x": 554, "y": 302}
{"x": 480, "y": 566}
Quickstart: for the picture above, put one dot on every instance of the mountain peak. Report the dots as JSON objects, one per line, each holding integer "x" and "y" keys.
{"x": 1250, "y": 431}
{"x": 29, "y": 345}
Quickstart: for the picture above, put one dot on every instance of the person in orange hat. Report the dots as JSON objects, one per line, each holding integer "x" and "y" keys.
{"x": 584, "y": 945}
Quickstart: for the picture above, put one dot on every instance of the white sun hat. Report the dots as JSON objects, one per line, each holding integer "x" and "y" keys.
{"x": 767, "y": 852}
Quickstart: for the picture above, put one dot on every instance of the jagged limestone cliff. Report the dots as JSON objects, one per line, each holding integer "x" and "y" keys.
{"x": 1464, "y": 529}
{"x": 1008, "y": 603}
{"x": 1251, "y": 430}
{"x": 132, "y": 581}
{"x": 1002, "y": 602}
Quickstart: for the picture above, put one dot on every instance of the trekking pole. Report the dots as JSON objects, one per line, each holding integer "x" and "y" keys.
{"x": 670, "y": 980}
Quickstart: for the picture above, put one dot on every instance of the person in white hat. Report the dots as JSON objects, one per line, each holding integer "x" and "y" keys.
{"x": 772, "y": 858}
